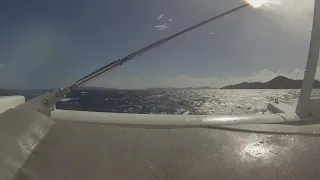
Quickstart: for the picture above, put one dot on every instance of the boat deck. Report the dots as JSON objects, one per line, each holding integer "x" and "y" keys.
{"x": 82, "y": 151}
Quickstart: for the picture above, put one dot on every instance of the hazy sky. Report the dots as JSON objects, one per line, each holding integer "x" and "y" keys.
{"x": 46, "y": 44}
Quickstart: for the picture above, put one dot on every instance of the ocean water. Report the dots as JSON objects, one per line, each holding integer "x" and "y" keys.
{"x": 201, "y": 102}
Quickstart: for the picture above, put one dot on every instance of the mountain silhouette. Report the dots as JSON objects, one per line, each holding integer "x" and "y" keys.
{"x": 279, "y": 82}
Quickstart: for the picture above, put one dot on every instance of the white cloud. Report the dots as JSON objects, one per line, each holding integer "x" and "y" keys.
{"x": 262, "y": 3}
{"x": 160, "y": 17}
{"x": 212, "y": 33}
{"x": 162, "y": 27}
{"x": 289, "y": 12}
{"x": 188, "y": 81}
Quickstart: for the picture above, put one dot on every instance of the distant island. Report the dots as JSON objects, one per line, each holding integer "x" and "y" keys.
{"x": 173, "y": 88}
{"x": 90, "y": 88}
{"x": 279, "y": 82}
{"x": 93, "y": 88}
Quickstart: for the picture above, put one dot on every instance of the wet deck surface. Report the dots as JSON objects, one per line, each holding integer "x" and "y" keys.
{"x": 77, "y": 151}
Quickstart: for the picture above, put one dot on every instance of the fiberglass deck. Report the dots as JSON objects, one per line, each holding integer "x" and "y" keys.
{"x": 81, "y": 151}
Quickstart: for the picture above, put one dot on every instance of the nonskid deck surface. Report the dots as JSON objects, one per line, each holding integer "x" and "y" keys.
{"x": 80, "y": 151}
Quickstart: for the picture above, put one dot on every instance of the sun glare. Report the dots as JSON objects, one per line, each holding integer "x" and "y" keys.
{"x": 260, "y": 3}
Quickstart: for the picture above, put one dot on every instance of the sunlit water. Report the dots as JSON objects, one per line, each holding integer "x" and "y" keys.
{"x": 213, "y": 101}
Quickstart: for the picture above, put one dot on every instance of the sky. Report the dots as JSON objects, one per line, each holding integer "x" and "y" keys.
{"x": 50, "y": 44}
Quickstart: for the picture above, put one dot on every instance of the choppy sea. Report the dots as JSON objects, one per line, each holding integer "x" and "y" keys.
{"x": 186, "y": 101}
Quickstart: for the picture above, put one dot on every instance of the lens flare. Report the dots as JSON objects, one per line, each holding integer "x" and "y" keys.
{"x": 260, "y": 3}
